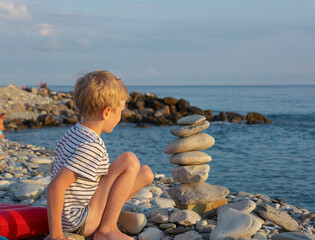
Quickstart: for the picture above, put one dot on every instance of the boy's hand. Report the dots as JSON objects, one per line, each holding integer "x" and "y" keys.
{"x": 60, "y": 238}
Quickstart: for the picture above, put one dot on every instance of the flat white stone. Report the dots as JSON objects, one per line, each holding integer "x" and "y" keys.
{"x": 29, "y": 191}
{"x": 188, "y": 130}
{"x": 234, "y": 224}
{"x": 196, "y": 142}
{"x": 190, "y": 158}
{"x": 191, "y": 119}
{"x": 143, "y": 193}
{"x": 163, "y": 202}
{"x": 40, "y": 160}
{"x": 191, "y": 174}
{"x": 4, "y": 184}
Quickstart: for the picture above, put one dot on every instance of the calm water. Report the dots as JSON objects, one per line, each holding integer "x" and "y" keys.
{"x": 275, "y": 159}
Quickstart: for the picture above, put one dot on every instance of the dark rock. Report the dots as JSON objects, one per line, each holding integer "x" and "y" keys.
{"x": 235, "y": 117}
{"x": 44, "y": 107}
{"x": 18, "y": 107}
{"x": 70, "y": 104}
{"x": 221, "y": 117}
{"x": 72, "y": 120}
{"x": 182, "y": 105}
{"x": 257, "y": 118}
{"x": 195, "y": 111}
{"x": 170, "y": 101}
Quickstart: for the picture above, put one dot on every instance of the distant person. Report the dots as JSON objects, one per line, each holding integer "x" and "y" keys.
{"x": 86, "y": 192}
{"x": 2, "y": 128}
{"x": 43, "y": 85}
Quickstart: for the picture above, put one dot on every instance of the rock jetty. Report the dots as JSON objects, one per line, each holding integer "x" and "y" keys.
{"x": 152, "y": 214}
{"x": 35, "y": 108}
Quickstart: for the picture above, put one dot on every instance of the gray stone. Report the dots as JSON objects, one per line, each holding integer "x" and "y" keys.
{"x": 291, "y": 236}
{"x": 278, "y": 217}
{"x": 184, "y": 217}
{"x": 234, "y": 224}
{"x": 28, "y": 190}
{"x": 132, "y": 222}
{"x": 197, "y": 193}
{"x": 191, "y": 119}
{"x": 190, "y": 235}
{"x": 199, "y": 141}
{"x": 151, "y": 233}
{"x": 165, "y": 226}
{"x": 143, "y": 193}
{"x": 186, "y": 131}
{"x": 160, "y": 216}
{"x": 191, "y": 174}
{"x": 245, "y": 206}
{"x": 163, "y": 202}
{"x": 205, "y": 226}
{"x": 190, "y": 158}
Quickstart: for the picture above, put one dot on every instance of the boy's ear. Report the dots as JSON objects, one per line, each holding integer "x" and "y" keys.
{"x": 105, "y": 113}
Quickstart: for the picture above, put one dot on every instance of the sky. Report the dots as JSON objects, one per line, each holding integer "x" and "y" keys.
{"x": 164, "y": 42}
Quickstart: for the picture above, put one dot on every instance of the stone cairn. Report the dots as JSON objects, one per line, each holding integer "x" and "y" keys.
{"x": 191, "y": 192}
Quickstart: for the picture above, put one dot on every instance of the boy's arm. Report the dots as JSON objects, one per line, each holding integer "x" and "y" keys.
{"x": 55, "y": 199}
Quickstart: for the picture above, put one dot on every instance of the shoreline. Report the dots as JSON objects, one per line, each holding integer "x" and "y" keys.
{"x": 25, "y": 171}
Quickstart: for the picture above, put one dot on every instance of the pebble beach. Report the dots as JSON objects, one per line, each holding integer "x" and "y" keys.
{"x": 152, "y": 214}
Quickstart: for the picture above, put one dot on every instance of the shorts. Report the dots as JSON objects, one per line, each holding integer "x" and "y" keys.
{"x": 80, "y": 230}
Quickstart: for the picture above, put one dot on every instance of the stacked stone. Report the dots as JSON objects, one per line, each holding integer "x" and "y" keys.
{"x": 192, "y": 192}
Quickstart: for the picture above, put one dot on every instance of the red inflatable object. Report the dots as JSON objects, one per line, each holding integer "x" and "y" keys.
{"x": 22, "y": 221}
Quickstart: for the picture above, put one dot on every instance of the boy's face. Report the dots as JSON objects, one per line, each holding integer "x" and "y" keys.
{"x": 114, "y": 117}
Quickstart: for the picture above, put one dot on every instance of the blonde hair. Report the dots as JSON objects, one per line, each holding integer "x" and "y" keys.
{"x": 97, "y": 90}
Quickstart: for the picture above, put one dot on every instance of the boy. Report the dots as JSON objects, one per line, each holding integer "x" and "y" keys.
{"x": 87, "y": 193}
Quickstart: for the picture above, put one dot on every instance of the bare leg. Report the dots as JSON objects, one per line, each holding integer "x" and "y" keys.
{"x": 124, "y": 179}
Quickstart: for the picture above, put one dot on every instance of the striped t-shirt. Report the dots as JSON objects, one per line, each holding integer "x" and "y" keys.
{"x": 82, "y": 151}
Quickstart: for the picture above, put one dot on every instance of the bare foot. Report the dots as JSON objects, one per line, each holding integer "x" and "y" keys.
{"x": 112, "y": 235}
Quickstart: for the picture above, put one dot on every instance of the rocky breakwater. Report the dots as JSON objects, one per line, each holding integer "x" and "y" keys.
{"x": 152, "y": 214}
{"x": 35, "y": 108}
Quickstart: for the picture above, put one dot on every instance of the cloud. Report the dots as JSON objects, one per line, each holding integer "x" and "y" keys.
{"x": 46, "y": 29}
{"x": 10, "y": 10}
{"x": 48, "y": 46}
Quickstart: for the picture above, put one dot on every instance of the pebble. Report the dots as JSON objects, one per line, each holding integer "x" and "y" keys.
{"x": 132, "y": 222}
{"x": 190, "y": 235}
{"x": 160, "y": 216}
{"x": 151, "y": 233}
{"x": 184, "y": 217}
{"x": 197, "y": 193}
{"x": 186, "y": 131}
{"x": 190, "y": 174}
{"x": 191, "y": 119}
{"x": 278, "y": 217}
{"x": 234, "y": 224}
{"x": 291, "y": 236}
{"x": 245, "y": 206}
{"x": 199, "y": 141}
{"x": 190, "y": 158}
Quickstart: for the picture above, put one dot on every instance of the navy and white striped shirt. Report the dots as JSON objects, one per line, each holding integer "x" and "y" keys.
{"x": 82, "y": 151}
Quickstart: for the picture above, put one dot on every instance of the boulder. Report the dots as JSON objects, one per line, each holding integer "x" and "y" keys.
{"x": 254, "y": 118}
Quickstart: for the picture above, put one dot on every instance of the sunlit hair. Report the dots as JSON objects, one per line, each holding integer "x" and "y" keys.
{"x": 97, "y": 90}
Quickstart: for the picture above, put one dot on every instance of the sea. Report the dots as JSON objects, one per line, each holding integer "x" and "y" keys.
{"x": 277, "y": 160}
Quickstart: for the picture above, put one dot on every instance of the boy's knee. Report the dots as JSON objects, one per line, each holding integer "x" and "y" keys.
{"x": 148, "y": 173}
{"x": 131, "y": 160}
